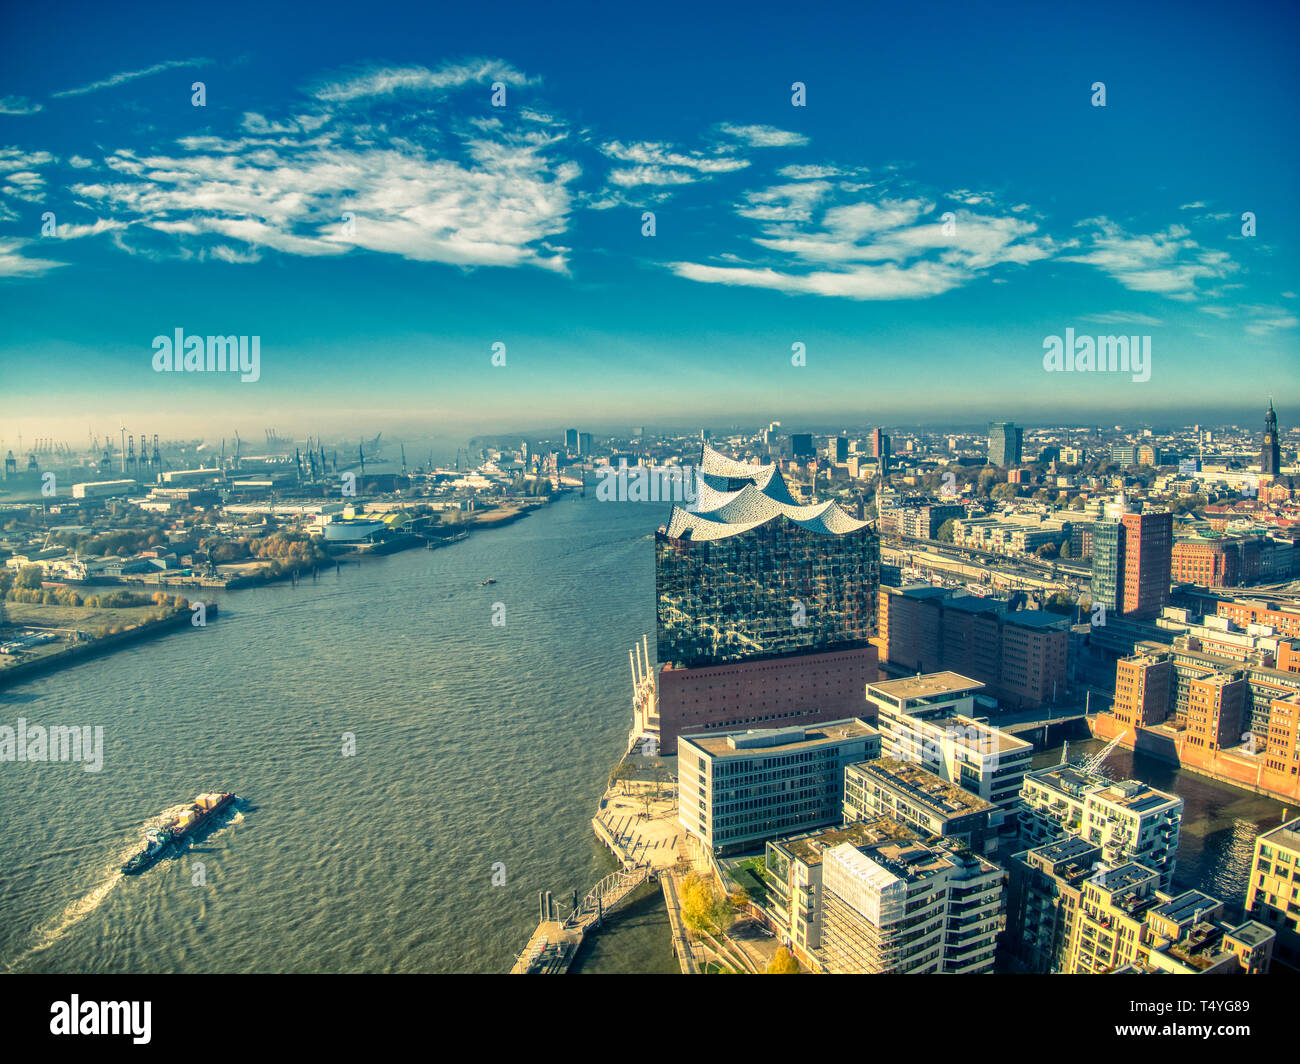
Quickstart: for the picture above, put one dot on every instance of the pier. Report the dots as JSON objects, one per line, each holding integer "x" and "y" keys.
{"x": 554, "y": 944}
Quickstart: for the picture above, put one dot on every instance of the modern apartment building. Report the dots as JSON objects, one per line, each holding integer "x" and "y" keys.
{"x": 794, "y": 876}
{"x": 930, "y": 720}
{"x": 929, "y": 805}
{"x": 899, "y": 907}
{"x": 738, "y": 790}
{"x": 1069, "y": 913}
{"x": 1128, "y": 820}
{"x": 1274, "y": 895}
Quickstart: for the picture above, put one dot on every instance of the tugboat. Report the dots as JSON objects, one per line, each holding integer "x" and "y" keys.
{"x": 176, "y": 830}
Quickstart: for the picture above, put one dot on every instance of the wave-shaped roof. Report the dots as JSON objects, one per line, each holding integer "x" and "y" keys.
{"x": 717, "y": 513}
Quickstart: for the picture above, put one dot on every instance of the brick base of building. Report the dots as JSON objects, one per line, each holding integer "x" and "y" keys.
{"x": 800, "y": 690}
{"x": 1241, "y": 771}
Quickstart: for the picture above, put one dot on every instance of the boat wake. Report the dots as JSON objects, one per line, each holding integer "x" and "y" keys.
{"x": 50, "y": 932}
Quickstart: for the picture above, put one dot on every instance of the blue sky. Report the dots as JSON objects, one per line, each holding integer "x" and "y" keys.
{"x": 522, "y": 224}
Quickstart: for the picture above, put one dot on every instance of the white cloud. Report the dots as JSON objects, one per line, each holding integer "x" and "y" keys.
{"x": 492, "y": 194}
{"x": 15, "y": 264}
{"x": 19, "y": 105}
{"x": 648, "y": 153}
{"x": 1169, "y": 262}
{"x": 1123, "y": 317}
{"x": 387, "y": 81}
{"x": 810, "y": 172}
{"x": 764, "y": 136}
{"x": 130, "y": 75}
{"x": 868, "y": 249}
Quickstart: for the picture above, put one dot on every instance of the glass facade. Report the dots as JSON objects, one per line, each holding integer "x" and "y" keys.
{"x": 775, "y": 589}
{"x": 1107, "y": 565}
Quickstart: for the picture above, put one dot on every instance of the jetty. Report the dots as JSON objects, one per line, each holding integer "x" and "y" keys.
{"x": 555, "y": 943}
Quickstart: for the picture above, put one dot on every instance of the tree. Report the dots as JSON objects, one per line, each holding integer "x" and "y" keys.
{"x": 29, "y": 577}
{"x": 1004, "y": 491}
{"x": 1066, "y": 551}
{"x": 704, "y": 908}
{"x": 782, "y": 963}
{"x": 1060, "y": 602}
{"x": 945, "y": 533}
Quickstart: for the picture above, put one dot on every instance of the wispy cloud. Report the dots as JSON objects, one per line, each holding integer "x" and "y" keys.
{"x": 492, "y": 192}
{"x": 830, "y": 241}
{"x": 1123, "y": 317}
{"x": 19, "y": 105}
{"x": 1168, "y": 262}
{"x": 130, "y": 75}
{"x": 388, "y": 81}
{"x": 15, "y": 264}
{"x": 764, "y": 136}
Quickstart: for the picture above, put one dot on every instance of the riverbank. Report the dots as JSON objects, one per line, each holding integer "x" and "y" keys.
{"x": 85, "y": 649}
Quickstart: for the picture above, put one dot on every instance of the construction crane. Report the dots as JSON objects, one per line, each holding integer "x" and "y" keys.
{"x": 1093, "y": 764}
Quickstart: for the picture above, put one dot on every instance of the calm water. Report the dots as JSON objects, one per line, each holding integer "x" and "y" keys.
{"x": 475, "y": 745}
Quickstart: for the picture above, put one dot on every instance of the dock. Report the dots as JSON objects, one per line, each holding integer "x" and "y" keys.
{"x": 552, "y": 947}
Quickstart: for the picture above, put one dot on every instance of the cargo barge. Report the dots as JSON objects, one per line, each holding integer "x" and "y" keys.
{"x": 159, "y": 840}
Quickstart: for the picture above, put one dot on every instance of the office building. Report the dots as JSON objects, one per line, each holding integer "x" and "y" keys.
{"x": 1148, "y": 556}
{"x": 925, "y": 520}
{"x": 1006, "y": 443}
{"x": 1107, "y": 588}
{"x": 880, "y": 448}
{"x": 801, "y": 445}
{"x": 1021, "y": 655}
{"x": 1132, "y": 563}
{"x": 571, "y": 441}
{"x": 1128, "y": 820}
{"x": 929, "y": 805}
{"x": 1273, "y": 897}
{"x": 930, "y": 720}
{"x": 736, "y": 790}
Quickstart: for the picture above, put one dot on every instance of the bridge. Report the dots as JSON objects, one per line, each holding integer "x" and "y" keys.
{"x": 1023, "y": 728}
{"x": 554, "y": 944}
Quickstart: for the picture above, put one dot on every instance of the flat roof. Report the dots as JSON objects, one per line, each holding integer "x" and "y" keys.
{"x": 923, "y": 786}
{"x": 1252, "y": 933}
{"x": 782, "y": 740}
{"x": 927, "y": 685}
{"x": 1190, "y": 905}
{"x": 1286, "y": 835}
{"x": 959, "y": 723}
{"x": 810, "y": 848}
